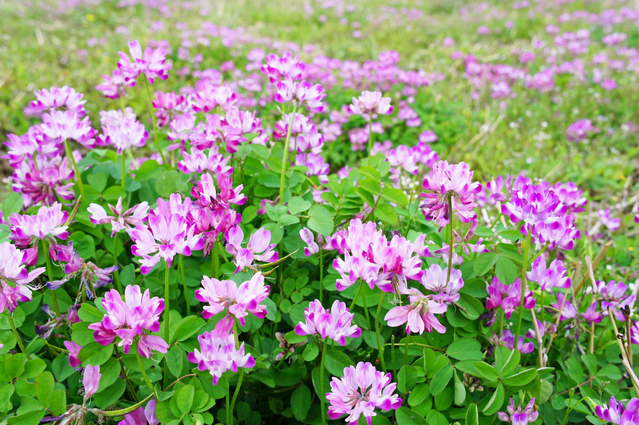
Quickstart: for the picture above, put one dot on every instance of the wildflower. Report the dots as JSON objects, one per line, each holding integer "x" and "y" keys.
{"x": 519, "y": 416}
{"x": 360, "y": 391}
{"x": 66, "y": 125}
{"x": 552, "y": 277}
{"x": 454, "y": 180}
{"x": 74, "y": 352}
{"x": 259, "y": 242}
{"x": 43, "y": 180}
{"x": 126, "y": 134}
{"x": 315, "y": 165}
{"x": 579, "y": 130}
{"x": 507, "y": 340}
{"x": 277, "y": 68}
{"x": 592, "y": 315}
{"x": 207, "y": 196}
{"x": 333, "y": 323}
{"x": 182, "y": 129}
{"x": 568, "y": 311}
{"x": 151, "y": 63}
{"x": 613, "y": 296}
{"x": 126, "y": 220}
{"x": 130, "y": 318}
{"x": 446, "y": 292}
{"x": 419, "y": 315}
{"x": 199, "y": 162}
{"x": 64, "y": 98}
{"x": 370, "y": 103}
{"x": 238, "y": 301}
{"x": 307, "y": 236}
{"x": 219, "y": 354}
{"x": 114, "y": 85}
{"x": 301, "y": 93}
{"x": 615, "y": 413}
{"x": 508, "y": 297}
{"x": 304, "y": 134}
{"x": 428, "y": 136}
{"x": 49, "y": 222}
{"x": 611, "y": 223}
{"x": 91, "y": 380}
{"x": 14, "y": 277}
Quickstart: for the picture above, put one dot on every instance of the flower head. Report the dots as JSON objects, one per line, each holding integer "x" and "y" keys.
{"x": 370, "y": 103}
{"x": 126, "y": 220}
{"x": 14, "y": 277}
{"x": 217, "y": 354}
{"x": 152, "y": 63}
{"x": 91, "y": 380}
{"x": 258, "y": 248}
{"x": 519, "y": 415}
{"x": 333, "y": 323}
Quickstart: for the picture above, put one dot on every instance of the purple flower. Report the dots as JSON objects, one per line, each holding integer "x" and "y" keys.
{"x": 114, "y": 85}
{"x": 579, "y": 130}
{"x": 552, "y": 277}
{"x": 91, "y": 380}
{"x": 49, "y": 222}
{"x": 129, "y": 319}
{"x": 333, "y": 323}
{"x": 568, "y": 311}
{"x": 615, "y": 412}
{"x": 258, "y": 248}
{"x": 43, "y": 180}
{"x": 206, "y": 194}
{"x": 360, "y": 391}
{"x": 219, "y": 354}
{"x": 592, "y": 315}
{"x": 454, "y": 180}
{"x": 304, "y": 134}
{"x": 301, "y": 93}
{"x": 199, "y": 162}
{"x": 237, "y": 301}
{"x": 446, "y": 292}
{"x": 14, "y": 277}
{"x": 57, "y": 99}
{"x": 126, "y": 220}
{"x": 419, "y": 315}
{"x": 66, "y": 125}
{"x": 151, "y": 63}
{"x": 126, "y": 134}
{"x": 428, "y": 136}
{"x": 613, "y": 296}
{"x": 519, "y": 416}
{"x": 74, "y": 352}
{"x": 508, "y": 297}
{"x": 611, "y": 223}
{"x": 370, "y": 103}
{"x": 277, "y": 68}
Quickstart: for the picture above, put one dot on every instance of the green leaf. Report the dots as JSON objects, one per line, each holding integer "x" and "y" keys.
{"x": 95, "y": 354}
{"x": 371, "y": 185}
{"x": 472, "y": 415}
{"x": 29, "y": 418}
{"x": 465, "y": 349}
{"x": 321, "y": 220}
{"x": 406, "y": 378}
{"x": 495, "y": 402}
{"x": 5, "y": 397}
{"x": 98, "y": 181}
{"x": 485, "y": 262}
{"x": 336, "y": 362}
{"x": 58, "y": 402}
{"x": 61, "y": 367}
{"x": 110, "y": 372}
{"x": 301, "y": 402}
{"x": 174, "y": 360}
{"x": 33, "y": 367}
{"x": 44, "y": 385}
{"x": 107, "y": 398}
{"x": 486, "y": 370}
{"x": 297, "y": 205}
{"x": 472, "y": 308}
{"x": 460, "y": 391}
{"x": 187, "y": 327}
{"x": 441, "y": 379}
{"x": 395, "y": 195}
{"x": 184, "y": 398}
{"x": 88, "y": 313}
{"x": 84, "y": 244}
{"x": 419, "y": 393}
{"x": 387, "y": 214}
{"x": 512, "y": 361}
{"x": 14, "y": 365}
{"x": 405, "y": 416}
{"x": 12, "y": 205}
{"x": 521, "y": 378}
{"x": 505, "y": 270}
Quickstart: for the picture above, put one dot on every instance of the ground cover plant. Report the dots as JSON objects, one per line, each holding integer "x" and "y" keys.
{"x": 341, "y": 212}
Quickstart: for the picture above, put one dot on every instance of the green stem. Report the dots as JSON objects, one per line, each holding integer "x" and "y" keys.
{"x": 228, "y": 407}
{"x": 145, "y": 376}
{"x": 321, "y": 384}
{"x": 155, "y": 127}
{"x": 321, "y": 283}
{"x": 126, "y": 377}
{"x": 393, "y": 353}
{"x": 450, "y": 236}
{"x": 123, "y": 172}
{"x": 215, "y": 261}
{"x": 356, "y": 295}
{"x": 541, "y": 314}
{"x": 115, "y": 413}
{"x": 78, "y": 177}
{"x": 406, "y": 350}
{"x": 285, "y": 155}
{"x": 236, "y": 393}
{"x": 501, "y": 323}
{"x": 184, "y": 287}
{"x": 370, "y": 135}
{"x": 380, "y": 347}
{"x": 167, "y": 301}
{"x": 116, "y": 273}
{"x": 47, "y": 259}
{"x": 17, "y": 335}
{"x": 523, "y": 285}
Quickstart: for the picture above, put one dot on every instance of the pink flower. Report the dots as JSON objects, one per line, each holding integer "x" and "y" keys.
{"x": 239, "y": 301}
{"x": 333, "y": 323}
{"x": 66, "y": 125}
{"x": 126, "y": 220}
{"x": 615, "y": 412}
{"x": 74, "y": 352}
{"x": 91, "y": 380}
{"x": 277, "y": 68}
{"x": 360, "y": 391}
{"x": 508, "y": 340}
{"x": 126, "y": 134}
{"x": 568, "y": 311}
{"x": 593, "y": 316}
{"x": 57, "y": 98}
{"x": 434, "y": 279}
{"x": 611, "y": 223}
{"x": 114, "y": 85}
{"x": 454, "y": 180}
{"x": 14, "y": 277}
{"x": 49, "y": 222}
{"x": 199, "y": 162}
{"x": 304, "y": 134}
{"x": 130, "y": 318}
{"x": 552, "y": 277}
{"x": 519, "y": 416}
{"x": 370, "y": 103}
{"x": 151, "y": 63}
{"x": 217, "y": 354}
{"x": 428, "y": 137}
{"x": 579, "y": 130}
{"x": 307, "y": 236}
{"x": 206, "y": 194}
{"x": 419, "y": 315}
{"x": 259, "y": 242}
{"x": 301, "y": 93}
{"x": 43, "y": 180}
{"x": 613, "y": 295}
{"x": 508, "y": 297}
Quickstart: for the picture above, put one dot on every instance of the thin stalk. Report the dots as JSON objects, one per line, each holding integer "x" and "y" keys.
{"x": 370, "y": 135}
{"x": 380, "y": 347}
{"x": 406, "y": 351}
{"x": 393, "y": 354}
{"x": 592, "y": 337}
{"x": 628, "y": 342}
{"x": 624, "y": 353}
{"x": 321, "y": 255}
{"x": 215, "y": 261}
{"x": 450, "y": 236}
{"x": 47, "y": 259}
{"x": 17, "y": 335}
{"x": 155, "y": 127}
{"x": 523, "y": 285}
{"x": 236, "y": 393}
{"x": 167, "y": 302}
{"x": 356, "y": 295}
{"x": 285, "y": 155}
{"x": 184, "y": 287}
{"x": 228, "y": 407}
{"x": 126, "y": 378}
{"x": 123, "y": 171}
{"x": 321, "y": 384}
{"x": 540, "y": 343}
{"x": 501, "y": 323}
{"x": 116, "y": 273}
{"x": 145, "y": 376}
{"x": 78, "y": 177}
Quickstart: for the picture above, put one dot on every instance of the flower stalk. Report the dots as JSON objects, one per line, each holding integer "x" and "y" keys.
{"x": 285, "y": 155}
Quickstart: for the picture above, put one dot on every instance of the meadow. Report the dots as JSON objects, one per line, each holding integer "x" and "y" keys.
{"x": 323, "y": 211}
